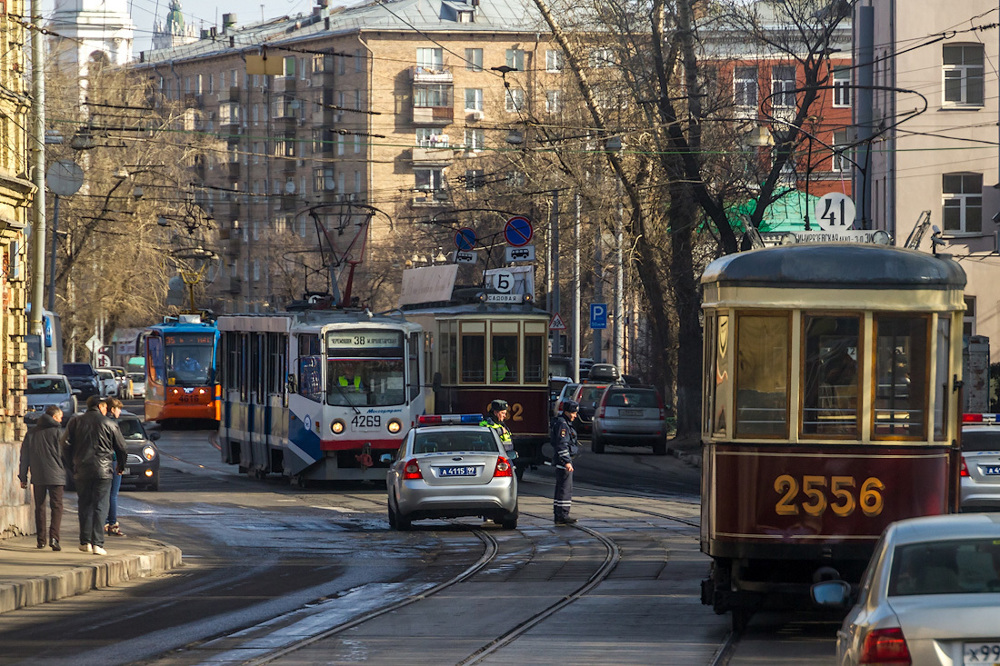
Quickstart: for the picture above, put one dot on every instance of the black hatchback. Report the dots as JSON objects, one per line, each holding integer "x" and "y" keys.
{"x": 142, "y": 468}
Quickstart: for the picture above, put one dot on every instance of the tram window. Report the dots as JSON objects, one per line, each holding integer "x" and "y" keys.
{"x": 534, "y": 358}
{"x": 473, "y": 358}
{"x": 310, "y": 378}
{"x": 414, "y": 370}
{"x": 901, "y": 376}
{"x": 762, "y": 349}
{"x": 449, "y": 351}
{"x": 721, "y": 379}
{"x": 504, "y": 362}
{"x": 943, "y": 372}
{"x": 309, "y": 345}
{"x": 830, "y": 376}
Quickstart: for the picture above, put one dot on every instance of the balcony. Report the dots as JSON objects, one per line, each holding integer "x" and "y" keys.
{"x": 432, "y": 198}
{"x": 433, "y": 115}
{"x": 431, "y": 75}
{"x": 437, "y": 156}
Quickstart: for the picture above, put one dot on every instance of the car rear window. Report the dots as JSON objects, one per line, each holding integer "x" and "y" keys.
{"x": 946, "y": 567}
{"x": 46, "y": 386}
{"x": 591, "y": 392}
{"x": 642, "y": 399}
{"x": 981, "y": 439}
{"x": 454, "y": 442}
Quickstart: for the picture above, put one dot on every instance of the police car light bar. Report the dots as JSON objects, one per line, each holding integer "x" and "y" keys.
{"x": 449, "y": 419}
{"x": 980, "y": 418}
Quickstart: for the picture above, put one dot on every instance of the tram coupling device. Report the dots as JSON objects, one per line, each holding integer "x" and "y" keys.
{"x": 365, "y": 457}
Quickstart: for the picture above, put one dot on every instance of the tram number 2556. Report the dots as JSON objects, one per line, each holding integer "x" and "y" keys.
{"x": 836, "y": 493}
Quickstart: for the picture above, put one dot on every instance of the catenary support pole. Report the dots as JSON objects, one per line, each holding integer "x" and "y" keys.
{"x": 576, "y": 294}
{"x": 38, "y": 169}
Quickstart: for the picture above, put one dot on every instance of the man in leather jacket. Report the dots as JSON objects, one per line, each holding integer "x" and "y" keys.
{"x": 92, "y": 442}
{"x": 41, "y": 456}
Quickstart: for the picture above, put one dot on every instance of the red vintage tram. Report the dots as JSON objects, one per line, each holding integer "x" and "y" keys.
{"x": 831, "y": 407}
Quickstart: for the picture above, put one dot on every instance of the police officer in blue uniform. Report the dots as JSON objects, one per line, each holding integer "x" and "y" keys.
{"x": 563, "y": 439}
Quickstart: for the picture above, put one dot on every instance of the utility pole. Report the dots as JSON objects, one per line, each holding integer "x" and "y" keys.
{"x": 619, "y": 289}
{"x": 576, "y": 294}
{"x": 598, "y": 290}
{"x": 38, "y": 169}
{"x": 554, "y": 304}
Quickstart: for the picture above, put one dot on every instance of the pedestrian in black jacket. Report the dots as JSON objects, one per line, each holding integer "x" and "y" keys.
{"x": 564, "y": 442}
{"x": 93, "y": 442}
{"x": 41, "y": 455}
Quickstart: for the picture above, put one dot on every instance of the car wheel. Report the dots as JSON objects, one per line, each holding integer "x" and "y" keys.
{"x": 596, "y": 443}
{"x": 392, "y": 515}
{"x": 398, "y": 520}
{"x": 519, "y": 473}
{"x": 660, "y": 448}
{"x": 508, "y": 521}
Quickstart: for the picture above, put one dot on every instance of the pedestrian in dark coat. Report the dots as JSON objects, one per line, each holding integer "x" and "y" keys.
{"x": 41, "y": 455}
{"x": 94, "y": 443}
{"x": 563, "y": 440}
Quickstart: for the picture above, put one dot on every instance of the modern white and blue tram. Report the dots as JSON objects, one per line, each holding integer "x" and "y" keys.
{"x": 318, "y": 395}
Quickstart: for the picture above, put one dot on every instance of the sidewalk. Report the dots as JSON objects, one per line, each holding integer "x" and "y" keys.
{"x": 31, "y": 576}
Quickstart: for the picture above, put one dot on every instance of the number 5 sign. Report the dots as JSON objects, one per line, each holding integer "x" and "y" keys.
{"x": 835, "y": 211}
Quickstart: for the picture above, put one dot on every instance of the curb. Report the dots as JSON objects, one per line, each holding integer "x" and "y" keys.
{"x": 692, "y": 459}
{"x": 60, "y": 577}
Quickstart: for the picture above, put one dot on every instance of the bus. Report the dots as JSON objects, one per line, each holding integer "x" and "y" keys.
{"x": 318, "y": 395}
{"x": 45, "y": 351}
{"x": 181, "y": 382}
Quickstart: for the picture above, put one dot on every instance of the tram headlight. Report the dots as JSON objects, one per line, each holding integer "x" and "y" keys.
{"x": 337, "y": 426}
{"x": 395, "y": 425}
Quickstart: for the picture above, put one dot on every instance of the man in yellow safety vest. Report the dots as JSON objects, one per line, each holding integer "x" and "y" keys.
{"x": 495, "y": 416}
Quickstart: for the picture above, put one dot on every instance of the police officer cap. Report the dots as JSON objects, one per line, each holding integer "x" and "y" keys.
{"x": 498, "y": 405}
{"x": 571, "y": 406}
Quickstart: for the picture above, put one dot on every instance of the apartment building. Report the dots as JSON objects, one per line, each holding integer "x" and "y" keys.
{"x": 935, "y": 155}
{"x": 373, "y": 115}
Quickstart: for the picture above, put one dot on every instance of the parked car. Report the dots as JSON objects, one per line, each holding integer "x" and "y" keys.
{"x": 587, "y": 395}
{"x": 630, "y": 417}
{"x": 83, "y": 377}
{"x": 109, "y": 384}
{"x": 142, "y": 469}
{"x": 450, "y": 466}
{"x": 44, "y": 390}
{"x": 565, "y": 394}
{"x": 124, "y": 382}
{"x": 930, "y": 595}
{"x": 980, "y": 463}
{"x": 138, "y": 384}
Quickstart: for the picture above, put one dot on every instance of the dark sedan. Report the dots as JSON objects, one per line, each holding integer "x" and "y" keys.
{"x": 142, "y": 469}
{"x": 587, "y": 395}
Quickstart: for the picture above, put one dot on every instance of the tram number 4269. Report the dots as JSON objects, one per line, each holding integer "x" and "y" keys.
{"x": 366, "y": 421}
{"x": 836, "y": 493}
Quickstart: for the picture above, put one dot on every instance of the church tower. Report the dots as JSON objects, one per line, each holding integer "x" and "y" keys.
{"x": 172, "y": 32}
{"x": 92, "y": 30}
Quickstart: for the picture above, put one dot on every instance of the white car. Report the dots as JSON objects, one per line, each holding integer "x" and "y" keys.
{"x": 44, "y": 390}
{"x": 930, "y": 595}
{"x": 138, "y": 384}
{"x": 108, "y": 383}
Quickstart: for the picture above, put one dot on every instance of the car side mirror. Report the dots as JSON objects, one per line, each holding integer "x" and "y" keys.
{"x": 385, "y": 458}
{"x": 76, "y": 391}
{"x": 153, "y": 435}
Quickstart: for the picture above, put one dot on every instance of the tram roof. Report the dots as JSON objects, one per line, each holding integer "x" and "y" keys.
{"x": 484, "y": 309}
{"x": 282, "y": 321}
{"x": 836, "y": 266}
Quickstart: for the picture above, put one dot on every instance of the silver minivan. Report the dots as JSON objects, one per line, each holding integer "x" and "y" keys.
{"x": 630, "y": 416}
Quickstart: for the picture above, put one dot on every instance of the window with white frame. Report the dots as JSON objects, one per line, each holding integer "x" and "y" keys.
{"x": 842, "y": 87}
{"x": 473, "y": 99}
{"x": 475, "y": 139}
{"x": 514, "y": 100}
{"x": 553, "y": 61}
{"x": 603, "y": 57}
{"x": 428, "y": 180}
{"x": 431, "y": 137}
{"x": 840, "y": 161}
{"x": 432, "y": 96}
{"x": 317, "y": 63}
{"x": 553, "y": 98}
{"x": 323, "y": 180}
{"x": 783, "y": 87}
{"x": 474, "y": 179}
{"x": 745, "y": 88}
{"x": 515, "y": 59}
{"x": 474, "y": 60}
{"x": 430, "y": 59}
{"x": 962, "y": 198}
{"x": 963, "y": 74}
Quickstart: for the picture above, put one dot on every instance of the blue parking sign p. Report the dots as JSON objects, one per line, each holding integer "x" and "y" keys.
{"x": 598, "y": 315}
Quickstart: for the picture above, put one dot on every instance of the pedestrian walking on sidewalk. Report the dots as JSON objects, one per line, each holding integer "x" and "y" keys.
{"x": 93, "y": 442}
{"x": 111, "y": 526}
{"x": 563, "y": 440}
{"x": 41, "y": 456}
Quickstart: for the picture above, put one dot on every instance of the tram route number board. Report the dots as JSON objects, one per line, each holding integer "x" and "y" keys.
{"x": 361, "y": 340}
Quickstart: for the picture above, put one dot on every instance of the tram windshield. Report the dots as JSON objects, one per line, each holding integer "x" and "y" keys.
{"x": 368, "y": 382}
{"x": 189, "y": 364}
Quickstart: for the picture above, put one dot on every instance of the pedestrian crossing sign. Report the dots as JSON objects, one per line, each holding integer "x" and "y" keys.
{"x": 557, "y": 323}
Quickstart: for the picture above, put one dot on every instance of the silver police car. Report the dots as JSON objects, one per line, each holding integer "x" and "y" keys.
{"x": 449, "y": 467}
{"x": 980, "y": 462}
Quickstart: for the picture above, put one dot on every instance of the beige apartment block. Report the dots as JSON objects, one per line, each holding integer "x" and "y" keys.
{"x": 938, "y": 167}
{"x": 368, "y": 120}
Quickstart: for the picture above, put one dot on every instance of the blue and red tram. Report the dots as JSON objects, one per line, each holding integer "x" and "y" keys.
{"x": 831, "y": 407}
{"x": 477, "y": 352}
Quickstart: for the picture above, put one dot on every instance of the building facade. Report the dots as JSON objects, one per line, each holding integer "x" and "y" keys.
{"x": 92, "y": 29}
{"x": 934, "y": 160}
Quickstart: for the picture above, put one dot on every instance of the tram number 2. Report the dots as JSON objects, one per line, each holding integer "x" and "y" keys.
{"x": 366, "y": 421}
{"x": 818, "y": 489}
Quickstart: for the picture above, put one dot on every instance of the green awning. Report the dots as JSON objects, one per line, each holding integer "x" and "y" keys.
{"x": 786, "y": 214}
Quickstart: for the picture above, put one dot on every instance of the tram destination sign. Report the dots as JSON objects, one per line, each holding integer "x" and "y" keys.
{"x": 504, "y": 298}
{"x": 869, "y": 236}
{"x": 195, "y": 339}
{"x": 363, "y": 340}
